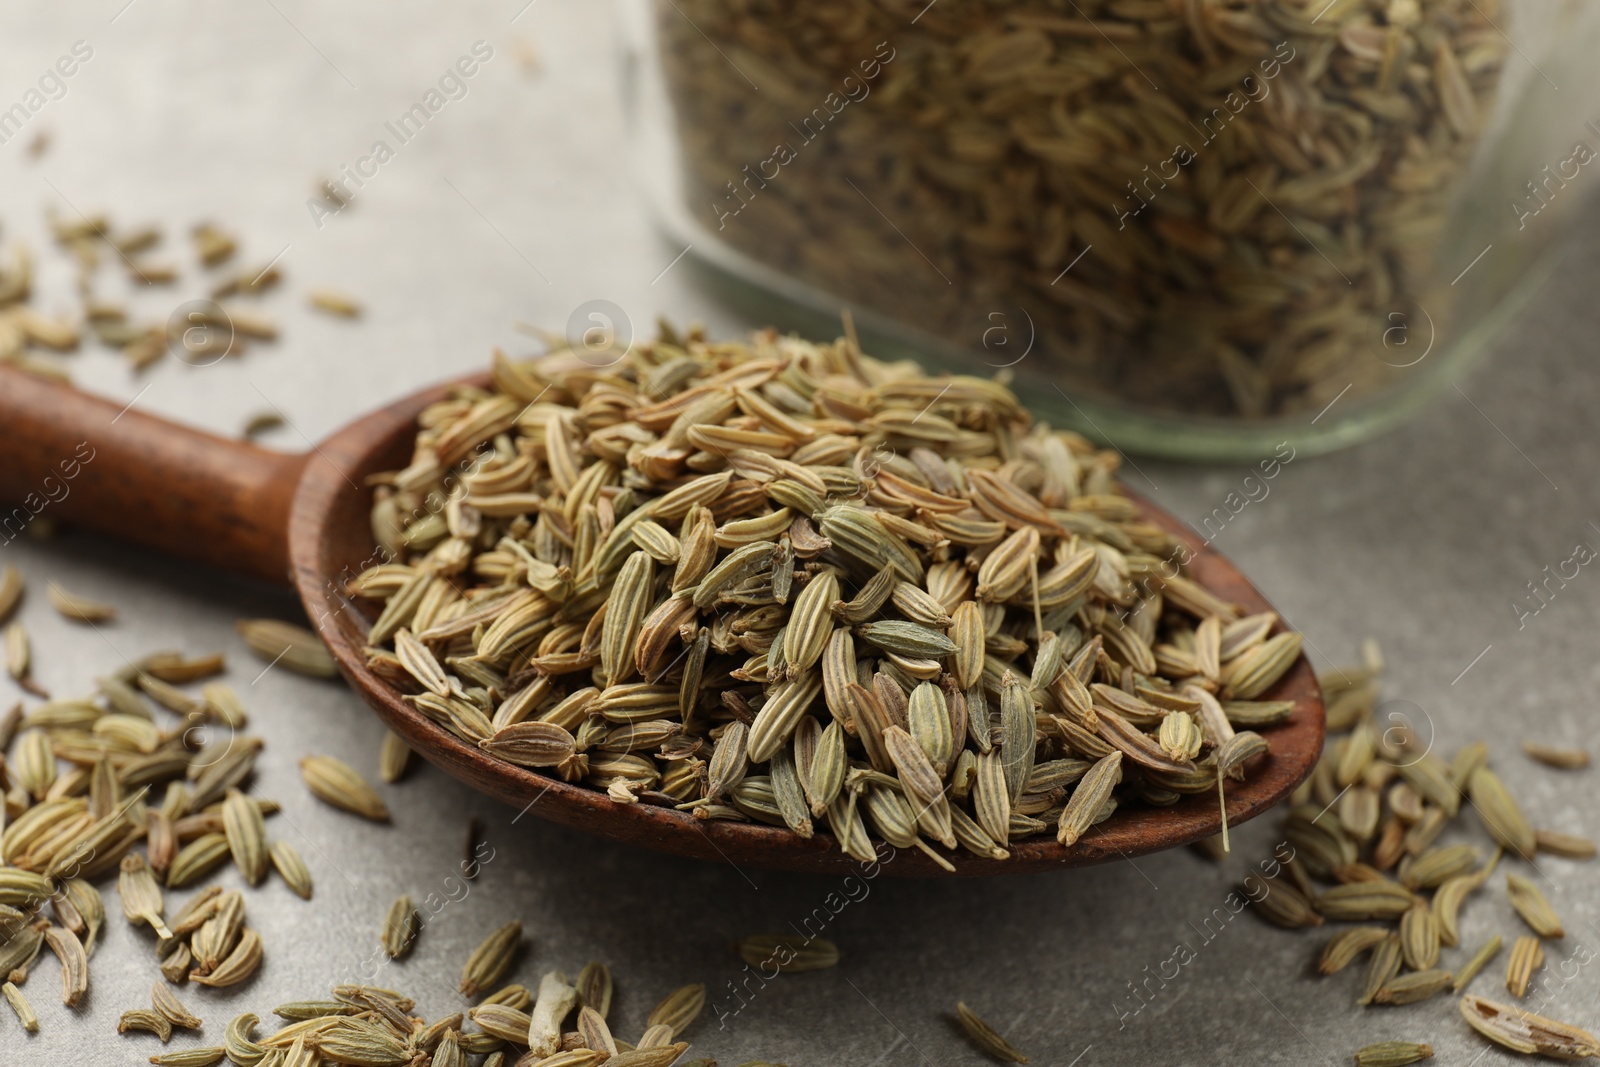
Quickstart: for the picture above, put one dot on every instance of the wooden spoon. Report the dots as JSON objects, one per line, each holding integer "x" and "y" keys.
{"x": 303, "y": 520}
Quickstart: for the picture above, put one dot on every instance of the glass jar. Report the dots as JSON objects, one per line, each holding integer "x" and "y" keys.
{"x": 1186, "y": 227}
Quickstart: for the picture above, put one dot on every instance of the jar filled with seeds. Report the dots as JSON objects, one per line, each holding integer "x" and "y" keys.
{"x": 1192, "y": 227}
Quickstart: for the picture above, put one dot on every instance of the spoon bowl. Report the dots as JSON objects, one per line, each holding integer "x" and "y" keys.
{"x": 303, "y": 520}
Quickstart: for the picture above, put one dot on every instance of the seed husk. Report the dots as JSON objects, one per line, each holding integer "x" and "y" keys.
{"x": 491, "y": 959}
{"x": 336, "y": 782}
{"x": 1525, "y": 1032}
{"x": 986, "y": 1037}
{"x": 1531, "y": 905}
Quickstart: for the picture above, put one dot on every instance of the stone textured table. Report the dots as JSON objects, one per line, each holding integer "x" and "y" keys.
{"x": 515, "y": 203}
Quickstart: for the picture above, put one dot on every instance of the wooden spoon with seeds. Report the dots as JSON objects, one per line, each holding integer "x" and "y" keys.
{"x": 303, "y": 520}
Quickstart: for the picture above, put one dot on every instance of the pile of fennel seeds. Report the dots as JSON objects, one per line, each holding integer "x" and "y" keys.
{"x": 1366, "y": 831}
{"x": 143, "y": 780}
{"x": 780, "y": 581}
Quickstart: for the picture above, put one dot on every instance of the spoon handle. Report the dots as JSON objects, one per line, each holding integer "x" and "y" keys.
{"x": 142, "y": 479}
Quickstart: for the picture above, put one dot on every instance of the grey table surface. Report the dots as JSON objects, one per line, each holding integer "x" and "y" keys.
{"x": 516, "y": 204}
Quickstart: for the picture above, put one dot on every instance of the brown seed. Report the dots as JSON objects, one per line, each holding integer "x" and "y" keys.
{"x": 1525, "y": 1032}
{"x": 987, "y": 1038}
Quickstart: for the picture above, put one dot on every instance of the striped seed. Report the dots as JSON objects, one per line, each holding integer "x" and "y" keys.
{"x": 1382, "y": 965}
{"x": 401, "y": 924}
{"x": 291, "y": 868}
{"x": 165, "y": 1001}
{"x": 147, "y": 1021}
{"x": 1531, "y": 905}
{"x": 986, "y": 1037}
{"x": 1393, "y": 1054}
{"x": 1527, "y": 956}
{"x": 1419, "y": 937}
{"x": 1343, "y": 948}
{"x": 1091, "y": 793}
{"x": 679, "y": 1008}
{"x": 1412, "y": 987}
{"x": 337, "y": 783}
{"x": 490, "y": 960}
{"x": 1500, "y": 814}
{"x": 247, "y": 835}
